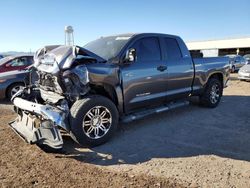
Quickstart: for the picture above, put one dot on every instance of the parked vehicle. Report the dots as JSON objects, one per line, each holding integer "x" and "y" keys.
{"x": 16, "y": 62}
{"x": 87, "y": 91}
{"x": 244, "y": 72}
{"x": 247, "y": 57}
{"x": 1, "y": 56}
{"x": 236, "y": 62}
{"x": 11, "y": 82}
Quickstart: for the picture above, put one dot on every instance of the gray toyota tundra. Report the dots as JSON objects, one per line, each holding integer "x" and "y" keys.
{"x": 86, "y": 91}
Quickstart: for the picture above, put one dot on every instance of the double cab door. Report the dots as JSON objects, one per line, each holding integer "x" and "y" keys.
{"x": 159, "y": 73}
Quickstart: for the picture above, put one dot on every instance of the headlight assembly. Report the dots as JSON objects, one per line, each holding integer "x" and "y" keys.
{"x": 80, "y": 71}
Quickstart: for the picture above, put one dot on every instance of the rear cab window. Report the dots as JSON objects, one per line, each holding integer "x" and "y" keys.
{"x": 172, "y": 50}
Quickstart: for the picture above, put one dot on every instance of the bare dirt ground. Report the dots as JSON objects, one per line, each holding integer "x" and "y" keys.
{"x": 187, "y": 147}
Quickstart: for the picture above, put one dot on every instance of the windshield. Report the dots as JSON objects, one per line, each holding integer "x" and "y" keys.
{"x": 107, "y": 47}
{"x": 5, "y": 59}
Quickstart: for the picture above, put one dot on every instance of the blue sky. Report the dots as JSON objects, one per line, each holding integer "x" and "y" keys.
{"x": 28, "y": 25}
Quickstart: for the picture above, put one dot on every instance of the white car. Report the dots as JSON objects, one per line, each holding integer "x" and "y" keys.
{"x": 244, "y": 72}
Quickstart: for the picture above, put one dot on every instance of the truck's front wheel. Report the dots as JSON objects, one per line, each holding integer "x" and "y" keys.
{"x": 212, "y": 94}
{"x": 93, "y": 120}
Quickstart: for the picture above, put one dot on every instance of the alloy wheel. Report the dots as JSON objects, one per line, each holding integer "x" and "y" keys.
{"x": 215, "y": 93}
{"x": 97, "y": 122}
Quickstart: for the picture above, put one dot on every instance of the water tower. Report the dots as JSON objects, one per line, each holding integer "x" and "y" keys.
{"x": 69, "y": 36}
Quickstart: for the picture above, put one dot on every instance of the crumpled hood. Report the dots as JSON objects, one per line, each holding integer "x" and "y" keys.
{"x": 245, "y": 68}
{"x": 54, "y": 58}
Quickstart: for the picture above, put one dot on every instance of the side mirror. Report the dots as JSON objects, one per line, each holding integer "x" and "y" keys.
{"x": 130, "y": 55}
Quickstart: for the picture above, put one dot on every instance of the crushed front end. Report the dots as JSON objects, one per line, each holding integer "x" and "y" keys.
{"x": 43, "y": 107}
{"x": 38, "y": 123}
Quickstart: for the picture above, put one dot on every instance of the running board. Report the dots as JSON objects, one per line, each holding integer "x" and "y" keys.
{"x": 164, "y": 108}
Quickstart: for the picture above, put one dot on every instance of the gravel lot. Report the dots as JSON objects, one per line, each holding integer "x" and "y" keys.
{"x": 187, "y": 147}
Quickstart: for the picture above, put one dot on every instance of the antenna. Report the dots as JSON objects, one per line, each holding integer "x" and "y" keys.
{"x": 69, "y": 36}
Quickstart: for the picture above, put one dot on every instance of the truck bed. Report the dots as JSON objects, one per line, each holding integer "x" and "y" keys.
{"x": 204, "y": 67}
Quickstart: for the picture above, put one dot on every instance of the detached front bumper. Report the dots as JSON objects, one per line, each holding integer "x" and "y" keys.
{"x": 38, "y": 124}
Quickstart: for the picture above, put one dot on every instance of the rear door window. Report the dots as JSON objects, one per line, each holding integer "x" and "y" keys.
{"x": 172, "y": 49}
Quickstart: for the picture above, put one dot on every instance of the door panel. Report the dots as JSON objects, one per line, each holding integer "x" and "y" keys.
{"x": 180, "y": 70}
{"x": 180, "y": 78}
{"x": 144, "y": 81}
{"x": 143, "y": 85}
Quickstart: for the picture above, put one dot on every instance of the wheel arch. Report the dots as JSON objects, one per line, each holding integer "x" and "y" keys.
{"x": 218, "y": 76}
{"x": 113, "y": 93}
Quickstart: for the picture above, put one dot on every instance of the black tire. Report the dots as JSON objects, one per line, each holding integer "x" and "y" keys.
{"x": 233, "y": 69}
{"x": 206, "y": 99}
{"x": 78, "y": 113}
{"x": 11, "y": 87}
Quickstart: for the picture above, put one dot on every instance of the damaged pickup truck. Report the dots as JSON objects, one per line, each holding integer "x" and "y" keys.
{"x": 86, "y": 91}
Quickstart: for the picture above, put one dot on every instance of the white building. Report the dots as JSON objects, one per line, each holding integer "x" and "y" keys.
{"x": 221, "y": 47}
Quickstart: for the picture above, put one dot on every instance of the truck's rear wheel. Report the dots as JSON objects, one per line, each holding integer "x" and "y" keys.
{"x": 212, "y": 94}
{"x": 93, "y": 120}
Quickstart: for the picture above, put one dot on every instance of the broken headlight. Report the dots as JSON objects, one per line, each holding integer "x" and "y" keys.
{"x": 76, "y": 81}
{"x": 80, "y": 71}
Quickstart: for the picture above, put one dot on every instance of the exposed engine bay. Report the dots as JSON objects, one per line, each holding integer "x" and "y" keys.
{"x": 43, "y": 107}
{"x": 63, "y": 71}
